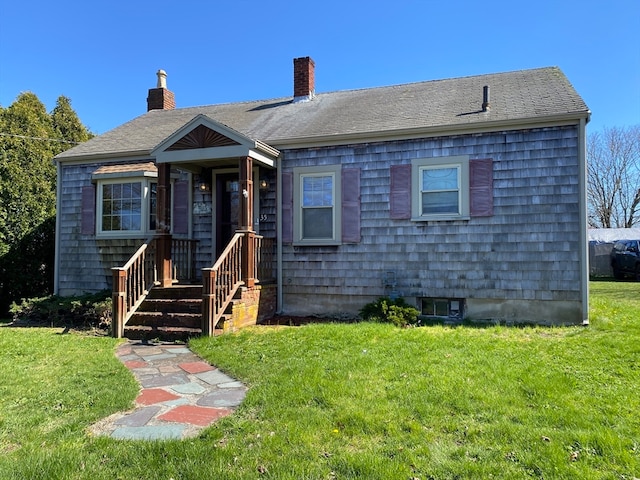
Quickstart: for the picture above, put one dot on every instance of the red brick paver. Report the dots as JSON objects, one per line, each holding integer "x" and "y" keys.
{"x": 131, "y": 364}
{"x": 195, "y": 415}
{"x": 196, "y": 367}
{"x": 149, "y": 396}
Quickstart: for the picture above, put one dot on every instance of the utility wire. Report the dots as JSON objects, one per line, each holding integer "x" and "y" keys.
{"x": 59, "y": 140}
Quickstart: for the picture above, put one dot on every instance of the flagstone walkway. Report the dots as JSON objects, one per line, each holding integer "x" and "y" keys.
{"x": 181, "y": 394}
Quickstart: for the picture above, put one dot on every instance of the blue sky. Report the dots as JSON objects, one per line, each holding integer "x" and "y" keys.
{"x": 104, "y": 55}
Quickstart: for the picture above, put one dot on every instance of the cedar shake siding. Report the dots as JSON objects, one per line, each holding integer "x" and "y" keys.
{"x": 517, "y": 259}
{"x": 421, "y": 190}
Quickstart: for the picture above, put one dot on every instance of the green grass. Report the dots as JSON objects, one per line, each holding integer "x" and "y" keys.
{"x": 343, "y": 401}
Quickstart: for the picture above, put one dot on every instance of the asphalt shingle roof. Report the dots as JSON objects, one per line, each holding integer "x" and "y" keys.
{"x": 519, "y": 95}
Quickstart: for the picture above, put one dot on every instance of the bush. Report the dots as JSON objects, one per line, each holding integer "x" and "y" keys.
{"x": 88, "y": 311}
{"x": 388, "y": 310}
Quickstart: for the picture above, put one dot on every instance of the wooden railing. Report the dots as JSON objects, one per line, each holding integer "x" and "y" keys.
{"x": 133, "y": 281}
{"x": 183, "y": 256}
{"x": 265, "y": 257}
{"x": 220, "y": 283}
{"x": 131, "y": 284}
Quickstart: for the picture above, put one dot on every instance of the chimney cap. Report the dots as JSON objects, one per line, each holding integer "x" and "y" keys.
{"x": 162, "y": 79}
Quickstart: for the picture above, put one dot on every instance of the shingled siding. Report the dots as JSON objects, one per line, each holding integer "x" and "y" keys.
{"x": 85, "y": 262}
{"x": 520, "y": 264}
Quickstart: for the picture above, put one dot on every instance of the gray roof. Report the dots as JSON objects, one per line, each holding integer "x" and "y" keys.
{"x": 526, "y": 95}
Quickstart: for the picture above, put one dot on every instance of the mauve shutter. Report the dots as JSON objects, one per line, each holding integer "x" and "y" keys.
{"x": 351, "y": 205}
{"x": 400, "y": 195}
{"x": 481, "y": 187}
{"x": 88, "y": 217}
{"x": 287, "y": 207}
{"x": 181, "y": 207}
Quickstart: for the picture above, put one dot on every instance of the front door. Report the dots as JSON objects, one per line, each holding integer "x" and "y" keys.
{"x": 227, "y": 205}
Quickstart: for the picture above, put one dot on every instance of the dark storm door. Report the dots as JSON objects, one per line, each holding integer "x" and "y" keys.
{"x": 227, "y": 205}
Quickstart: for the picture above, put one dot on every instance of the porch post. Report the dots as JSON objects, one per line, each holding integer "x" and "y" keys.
{"x": 245, "y": 222}
{"x": 119, "y": 299}
{"x": 163, "y": 226}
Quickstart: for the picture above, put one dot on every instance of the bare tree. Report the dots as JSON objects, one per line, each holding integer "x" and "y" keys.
{"x": 613, "y": 189}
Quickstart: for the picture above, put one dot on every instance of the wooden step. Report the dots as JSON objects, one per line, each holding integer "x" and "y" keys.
{"x": 160, "y": 319}
{"x": 172, "y": 305}
{"x": 168, "y": 334}
{"x": 176, "y": 292}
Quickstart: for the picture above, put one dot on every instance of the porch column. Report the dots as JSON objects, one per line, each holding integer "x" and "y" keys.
{"x": 163, "y": 225}
{"x": 245, "y": 222}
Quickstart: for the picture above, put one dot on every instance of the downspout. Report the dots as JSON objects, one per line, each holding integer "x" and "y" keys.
{"x": 584, "y": 240}
{"x": 279, "y": 296}
{"x": 56, "y": 258}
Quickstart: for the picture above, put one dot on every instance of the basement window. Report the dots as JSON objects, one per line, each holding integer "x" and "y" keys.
{"x": 451, "y": 308}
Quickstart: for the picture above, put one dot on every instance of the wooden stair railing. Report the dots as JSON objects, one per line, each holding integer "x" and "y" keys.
{"x": 265, "y": 256}
{"x": 133, "y": 281}
{"x": 220, "y": 283}
{"x": 183, "y": 256}
{"x": 131, "y": 284}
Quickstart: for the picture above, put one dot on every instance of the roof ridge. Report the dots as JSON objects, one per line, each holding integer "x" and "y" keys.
{"x": 362, "y": 89}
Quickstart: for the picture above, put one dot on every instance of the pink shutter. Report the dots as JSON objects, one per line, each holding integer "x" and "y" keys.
{"x": 287, "y": 207}
{"x": 181, "y": 207}
{"x": 481, "y": 187}
{"x": 88, "y": 216}
{"x": 351, "y": 205}
{"x": 400, "y": 195}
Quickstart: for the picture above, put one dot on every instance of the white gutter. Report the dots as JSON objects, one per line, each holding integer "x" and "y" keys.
{"x": 584, "y": 232}
{"x": 56, "y": 258}
{"x": 279, "y": 296}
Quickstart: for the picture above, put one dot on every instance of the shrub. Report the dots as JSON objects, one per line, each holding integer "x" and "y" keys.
{"x": 385, "y": 309}
{"x": 88, "y": 311}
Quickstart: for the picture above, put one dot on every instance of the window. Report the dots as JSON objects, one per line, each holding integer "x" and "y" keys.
{"x": 126, "y": 207}
{"x": 318, "y": 200}
{"x": 317, "y": 190}
{"x": 443, "y": 307}
{"x": 440, "y": 188}
{"x": 321, "y": 205}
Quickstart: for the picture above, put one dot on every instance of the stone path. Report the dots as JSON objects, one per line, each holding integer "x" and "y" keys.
{"x": 181, "y": 394}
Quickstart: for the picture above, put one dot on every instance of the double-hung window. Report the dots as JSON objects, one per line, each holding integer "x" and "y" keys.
{"x": 318, "y": 216}
{"x": 441, "y": 188}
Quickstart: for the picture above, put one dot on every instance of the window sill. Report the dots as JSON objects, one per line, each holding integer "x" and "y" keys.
{"x": 443, "y": 218}
{"x": 316, "y": 243}
{"x": 123, "y": 235}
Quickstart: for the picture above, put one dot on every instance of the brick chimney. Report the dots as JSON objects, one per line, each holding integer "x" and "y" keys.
{"x": 304, "y": 79}
{"x": 160, "y": 98}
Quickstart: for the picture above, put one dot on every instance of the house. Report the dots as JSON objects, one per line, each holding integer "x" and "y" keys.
{"x": 465, "y": 196}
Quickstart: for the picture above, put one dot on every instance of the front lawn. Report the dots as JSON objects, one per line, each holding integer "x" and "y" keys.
{"x": 339, "y": 401}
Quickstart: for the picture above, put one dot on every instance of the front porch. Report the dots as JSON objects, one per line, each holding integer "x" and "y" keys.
{"x": 235, "y": 292}
{"x": 234, "y": 284}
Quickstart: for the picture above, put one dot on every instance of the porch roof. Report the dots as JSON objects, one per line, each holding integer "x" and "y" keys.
{"x": 523, "y": 97}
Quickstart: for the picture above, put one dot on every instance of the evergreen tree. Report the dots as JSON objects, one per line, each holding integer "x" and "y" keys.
{"x": 29, "y": 139}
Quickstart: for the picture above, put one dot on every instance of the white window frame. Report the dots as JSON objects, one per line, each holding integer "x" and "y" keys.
{"x": 299, "y": 174}
{"x": 144, "y": 210}
{"x": 461, "y": 164}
